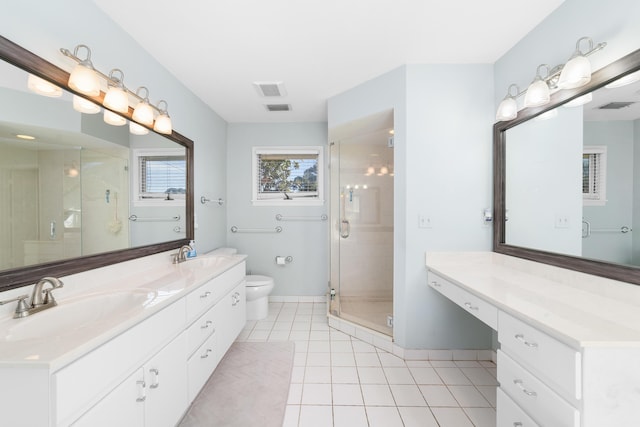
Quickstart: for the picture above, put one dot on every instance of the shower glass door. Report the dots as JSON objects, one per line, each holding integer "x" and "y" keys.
{"x": 362, "y": 228}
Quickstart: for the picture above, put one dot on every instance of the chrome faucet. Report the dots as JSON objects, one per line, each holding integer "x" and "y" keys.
{"x": 41, "y": 298}
{"x": 181, "y": 255}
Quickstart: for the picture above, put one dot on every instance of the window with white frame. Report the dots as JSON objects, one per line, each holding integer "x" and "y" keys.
{"x": 594, "y": 175}
{"x": 159, "y": 177}
{"x": 287, "y": 176}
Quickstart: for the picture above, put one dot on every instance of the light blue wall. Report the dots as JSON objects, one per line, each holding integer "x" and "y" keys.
{"x": 44, "y": 27}
{"x": 442, "y": 120}
{"x": 618, "y": 137}
{"x": 553, "y": 41}
{"x": 305, "y": 241}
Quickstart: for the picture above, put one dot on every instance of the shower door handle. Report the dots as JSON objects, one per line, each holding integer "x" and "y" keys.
{"x": 345, "y": 228}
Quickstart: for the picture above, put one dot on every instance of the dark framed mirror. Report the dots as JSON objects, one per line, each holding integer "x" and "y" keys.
{"x": 540, "y": 213}
{"x": 71, "y": 198}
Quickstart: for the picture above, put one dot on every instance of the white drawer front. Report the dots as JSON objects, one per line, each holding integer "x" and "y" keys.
{"x": 474, "y": 305}
{"x": 556, "y": 363}
{"x": 211, "y": 292}
{"x": 201, "y": 365}
{"x": 535, "y": 398}
{"x": 509, "y": 414}
{"x": 202, "y": 328}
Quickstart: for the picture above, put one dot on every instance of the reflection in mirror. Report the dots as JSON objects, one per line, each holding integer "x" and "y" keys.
{"x": 564, "y": 183}
{"x": 72, "y": 186}
{"x": 569, "y": 179}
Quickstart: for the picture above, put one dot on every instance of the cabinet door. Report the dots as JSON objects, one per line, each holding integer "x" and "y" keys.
{"x": 166, "y": 379}
{"x": 234, "y": 315}
{"x": 123, "y": 406}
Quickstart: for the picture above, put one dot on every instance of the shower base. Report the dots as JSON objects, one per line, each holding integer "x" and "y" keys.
{"x": 370, "y": 312}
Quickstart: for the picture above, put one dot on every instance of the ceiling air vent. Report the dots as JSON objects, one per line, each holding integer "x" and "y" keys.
{"x": 278, "y": 107}
{"x": 615, "y": 105}
{"x": 270, "y": 88}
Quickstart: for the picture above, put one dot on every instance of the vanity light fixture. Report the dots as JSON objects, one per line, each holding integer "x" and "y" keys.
{"x": 508, "y": 108}
{"x": 370, "y": 171}
{"x": 575, "y": 73}
{"x": 82, "y": 105}
{"x": 84, "y": 78}
{"x": 43, "y": 87}
{"x": 116, "y": 98}
{"x": 163, "y": 121}
{"x": 538, "y": 91}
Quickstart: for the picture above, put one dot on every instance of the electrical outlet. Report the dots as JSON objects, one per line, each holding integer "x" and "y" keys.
{"x": 562, "y": 221}
{"x": 425, "y": 221}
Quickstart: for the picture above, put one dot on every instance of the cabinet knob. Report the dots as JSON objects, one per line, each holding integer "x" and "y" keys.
{"x": 435, "y": 284}
{"x": 531, "y": 344}
{"x": 206, "y": 354}
{"x": 205, "y": 295}
{"x": 156, "y": 381}
{"x": 517, "y": 424}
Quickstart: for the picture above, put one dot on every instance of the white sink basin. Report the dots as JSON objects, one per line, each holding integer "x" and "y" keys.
{"x": 75, "y": 315}
{"x": 207, "y": 261}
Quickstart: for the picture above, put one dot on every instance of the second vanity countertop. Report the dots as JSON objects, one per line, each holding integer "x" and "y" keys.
{"x": 580, "y": 309}
{"x": 153, "y": 281}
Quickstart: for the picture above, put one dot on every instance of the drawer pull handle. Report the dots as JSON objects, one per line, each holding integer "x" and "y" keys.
{"x": 517, "y": 424}
{"x": 206, "y": 354}
{"x": 206, "y": 325}
{"x": 524, "y": 390}
{"x": 435, "y": 284}
{"x": 142, "y": 385}
{"x": 470, "y": 306}
{"x": 156, "y": 374}
{"x": 205, "y": 295}
{"x": 531, "y": 344}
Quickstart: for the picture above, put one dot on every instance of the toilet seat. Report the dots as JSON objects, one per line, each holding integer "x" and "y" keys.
{"x": 255, "y": 280}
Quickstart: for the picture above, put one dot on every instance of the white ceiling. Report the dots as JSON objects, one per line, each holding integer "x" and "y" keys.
{"x": 317, "y": 48}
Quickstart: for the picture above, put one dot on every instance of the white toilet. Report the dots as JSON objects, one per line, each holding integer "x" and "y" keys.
{"x": 258, "y": 289}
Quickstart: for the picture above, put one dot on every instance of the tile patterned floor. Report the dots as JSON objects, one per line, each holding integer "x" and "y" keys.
{"x": 339, "y": 380}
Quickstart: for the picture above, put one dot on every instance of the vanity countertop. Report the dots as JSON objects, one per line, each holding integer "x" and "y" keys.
{"x": 153, "y": 281}
{"x": 580, "y": 309}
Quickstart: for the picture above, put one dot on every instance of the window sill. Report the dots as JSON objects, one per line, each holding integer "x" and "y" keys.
{"x": 292, "y": 202}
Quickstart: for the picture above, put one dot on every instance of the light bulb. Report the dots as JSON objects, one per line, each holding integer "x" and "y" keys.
{"x": 114, "y": 119}
{"x": 143, "y": 113}
{"x": 136, "y": 129}
{"x": 537, "y": 93}
{"x": 581, "y": 100}
{"x": 43, "y": 87}
{"x": 163, "y": 124}
{"x": 82, "y": 105}
{"x": 508, "y": 108}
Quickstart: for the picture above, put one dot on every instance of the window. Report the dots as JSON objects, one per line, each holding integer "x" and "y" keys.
{"x": 287, "y": 176}
{"x": 160, "y": 177}
{"x": 594, "y": 167}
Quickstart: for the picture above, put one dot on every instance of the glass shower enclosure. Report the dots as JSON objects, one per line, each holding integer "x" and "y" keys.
{"x": 362, "y": 177}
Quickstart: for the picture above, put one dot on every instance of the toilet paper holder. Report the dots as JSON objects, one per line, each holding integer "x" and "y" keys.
{"x": 282, "y": 260}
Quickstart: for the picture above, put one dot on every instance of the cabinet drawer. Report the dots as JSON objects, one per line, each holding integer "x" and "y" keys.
{"x": 535, "y": 398}
{"x": 208, "y": 294}
{"x": 481, "y": 309}
{"x": 509, "y": 414}
{"x": 556, "y": 363}
{"x": 201, "y": 365}
{"x": 202, "y": 328}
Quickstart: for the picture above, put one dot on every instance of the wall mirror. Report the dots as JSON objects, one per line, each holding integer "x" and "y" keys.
{"x": 566, "y": 177}
{"x": 75, "y": 192}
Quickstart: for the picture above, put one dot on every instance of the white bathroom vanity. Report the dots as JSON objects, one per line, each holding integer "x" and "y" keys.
{"x": 130, "y": 344}
{"x": 569, "y": 342}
